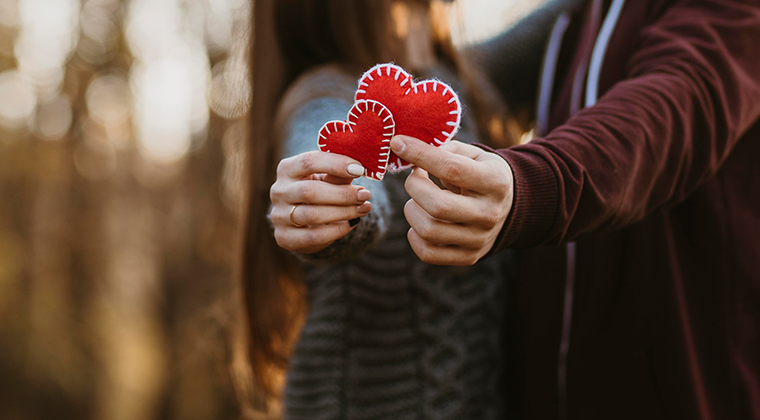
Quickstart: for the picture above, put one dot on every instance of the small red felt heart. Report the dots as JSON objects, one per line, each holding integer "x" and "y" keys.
{"x": 428, "y": 110}
{"x": 365, "y": 136}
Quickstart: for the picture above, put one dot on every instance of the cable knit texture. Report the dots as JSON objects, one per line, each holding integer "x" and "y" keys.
{"x": 388, "y": 336}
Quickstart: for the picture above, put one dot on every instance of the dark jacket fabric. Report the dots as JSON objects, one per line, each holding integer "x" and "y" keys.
{"x": 658, "y": 188}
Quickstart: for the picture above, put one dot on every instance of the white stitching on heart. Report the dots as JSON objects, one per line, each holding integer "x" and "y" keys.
{"x": 407, "y": 78}
{"x": 388, "y": 132}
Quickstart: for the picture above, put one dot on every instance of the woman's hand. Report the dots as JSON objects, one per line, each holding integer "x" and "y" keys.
{"x": 313, "y": 200}
{"x": 457, "y": 225}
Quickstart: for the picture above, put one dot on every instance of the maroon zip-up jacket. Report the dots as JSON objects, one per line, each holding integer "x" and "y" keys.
{"x": 658, "y": 188}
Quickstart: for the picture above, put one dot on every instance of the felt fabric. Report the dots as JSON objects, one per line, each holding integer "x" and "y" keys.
{"x": 428, "y": 110}
{"x": 365, "y": 135}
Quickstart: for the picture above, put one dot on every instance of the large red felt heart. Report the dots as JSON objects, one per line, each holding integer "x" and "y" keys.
{"x": 428, "y": 110}
{"x": 365, "y": 136}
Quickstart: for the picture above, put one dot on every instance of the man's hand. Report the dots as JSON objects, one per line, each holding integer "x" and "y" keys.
{"x": 457, "y": 225}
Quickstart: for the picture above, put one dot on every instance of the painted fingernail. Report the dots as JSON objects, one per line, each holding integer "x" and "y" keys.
{"x": 397, "y": 144}
{"x": 363, "y": 195}
{"x": 364, "y": 207}
{"x": 355, "y": 170}
{"x": 354, "y": 222}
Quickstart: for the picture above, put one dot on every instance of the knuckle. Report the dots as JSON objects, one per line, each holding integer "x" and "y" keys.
{"x": 470, "y": 259}
{"x": 501, "y": 183}
{"x": 478, "y": 240}
{"x": 343, "y": 230}
{"x": 306, "y": 192}
{"x": 486, "y": 218}
{"x": 502, "y": 174}
{"x": 307, "y": 161}
{"x": 408, "y": 208}
{"x": 453, "y": 170}
{"x": 280, "y": 237}
{"x": 415, "y": 154}
{"x": 408, "y": 182}
{"x": 460, "y": 260}
{"x": 274, "y": 216}
{"x": 349, "y": 213}
{"x": 282, "y": 167}
{"x": 338, "y": 163}
{"x": 423, "y": 251}
{"x": 312, "y": 237}
{"x": 274, "y": 193}
{"x": 440, "y": 209}
{"x": 348, "y": 195}
{"x": 483, "y": 239}
{"x": 491, "y": 217}
{"x": 427, "y": 255}
{"x": 308, "y": 215}
{"x": 425, "y": 230}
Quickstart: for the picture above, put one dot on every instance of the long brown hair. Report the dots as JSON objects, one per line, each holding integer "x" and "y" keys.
{"x": 291, "y": 36}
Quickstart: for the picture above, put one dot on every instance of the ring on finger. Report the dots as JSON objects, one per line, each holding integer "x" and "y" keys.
{"x": 291, "y": 217}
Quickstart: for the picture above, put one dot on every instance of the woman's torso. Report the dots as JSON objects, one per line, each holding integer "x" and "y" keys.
{"x": 390, "y": 337}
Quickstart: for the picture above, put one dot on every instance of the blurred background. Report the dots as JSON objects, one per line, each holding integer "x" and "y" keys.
{"x": 122, "y": 135}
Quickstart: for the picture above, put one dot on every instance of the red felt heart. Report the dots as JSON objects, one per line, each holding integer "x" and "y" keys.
{"x": 428, "y": 110}
{"x": 365, "y": 136}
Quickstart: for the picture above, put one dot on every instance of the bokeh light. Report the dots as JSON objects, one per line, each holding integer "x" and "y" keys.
{"x": 98, "y": 31}
{"x": 17, "y": 100}
{"x": 109, "y": 100}
{"x": 47, "y": 37}
{"x": 9, "y": 13}
{"x": 54, "y": 118}
{"x": 170, "y": 104}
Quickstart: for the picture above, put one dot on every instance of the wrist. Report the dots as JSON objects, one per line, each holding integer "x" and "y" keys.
{"x": 534, "y": 199}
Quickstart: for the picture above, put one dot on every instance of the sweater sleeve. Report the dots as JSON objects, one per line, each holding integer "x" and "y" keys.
{"x": 692, "y": 90}
{"x": 299, "y": 135}
{"x": 512, "y": 59}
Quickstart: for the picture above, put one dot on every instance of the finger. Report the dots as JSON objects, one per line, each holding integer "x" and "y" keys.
{"x": 451, "y": 167}
{"x": 451, "y": 187}
{"x": 440, "y": 254}
{"x": 319, "y": 192}
{"x": 312, "y": 239}
{"x": 311, "y": 215}
{"x": 464, "y": 149}
{"x": 442, "y": 233}
{"x": 308, "y": 163}
{"x": 441, "y": 204}
{"x": 336, "y": 180}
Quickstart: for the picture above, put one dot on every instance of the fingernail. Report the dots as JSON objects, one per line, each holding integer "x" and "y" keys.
{"x": 354, "y": 222}
{"x": 355, "y": 170}
{"x": 363, "y": 195}
{"x": 397, "y": 144}
{"x": 364, "y": 207}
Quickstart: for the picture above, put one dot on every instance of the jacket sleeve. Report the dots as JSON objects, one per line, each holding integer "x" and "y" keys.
{"x": 692, "y": 89}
